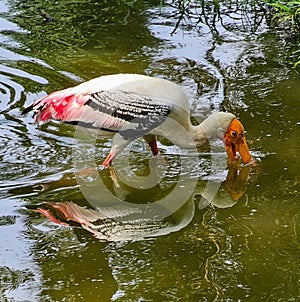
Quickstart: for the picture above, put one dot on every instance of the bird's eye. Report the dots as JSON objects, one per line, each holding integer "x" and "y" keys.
{"x": 233, "y": 133}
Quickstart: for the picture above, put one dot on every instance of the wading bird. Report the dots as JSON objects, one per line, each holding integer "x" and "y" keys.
{"x": 129, "y": 106}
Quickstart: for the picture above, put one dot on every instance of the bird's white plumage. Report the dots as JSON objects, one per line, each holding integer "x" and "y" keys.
{"x": 144, "y": 86}
{"x": 133, "y": 104}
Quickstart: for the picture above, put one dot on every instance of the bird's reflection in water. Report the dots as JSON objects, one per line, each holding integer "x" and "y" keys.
{"x": 109, "y": 219}
{"x": 229, "y": 191}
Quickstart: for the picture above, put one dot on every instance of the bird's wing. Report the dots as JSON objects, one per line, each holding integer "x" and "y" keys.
{"x": 137, "y": 114}
{"x": 130, "y": 114}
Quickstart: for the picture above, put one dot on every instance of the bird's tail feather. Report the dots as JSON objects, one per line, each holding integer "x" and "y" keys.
{"x": 54, "y": 105}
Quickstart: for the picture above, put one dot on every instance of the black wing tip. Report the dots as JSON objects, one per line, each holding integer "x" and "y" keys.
{"x": 27, "y": 109}
{"x": 89, "y": 126}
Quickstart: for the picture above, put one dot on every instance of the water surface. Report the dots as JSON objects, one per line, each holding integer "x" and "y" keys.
{"x": 229, "y": 249}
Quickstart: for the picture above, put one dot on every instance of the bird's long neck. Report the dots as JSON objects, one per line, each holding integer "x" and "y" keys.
{"x": 199, "y": 135}
{"x": 185, "y": 136}
{"x": 193, "y": 137}
{"x": 213, "y": 127}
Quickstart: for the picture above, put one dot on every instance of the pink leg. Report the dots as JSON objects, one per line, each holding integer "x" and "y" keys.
{"x": 107, "y": 164}
{"x": 109, "y": 159}
{"x": 152, "y": 142}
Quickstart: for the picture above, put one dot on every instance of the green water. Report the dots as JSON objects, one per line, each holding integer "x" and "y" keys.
{"x": 225, "y": 250}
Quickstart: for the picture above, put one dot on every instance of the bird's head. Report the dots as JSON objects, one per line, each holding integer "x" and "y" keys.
{"x": 226, "y": 126}
{"x": 234, "y": 140}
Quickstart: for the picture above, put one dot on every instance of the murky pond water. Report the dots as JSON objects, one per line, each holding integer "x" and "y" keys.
{"x": 192, "y": 230}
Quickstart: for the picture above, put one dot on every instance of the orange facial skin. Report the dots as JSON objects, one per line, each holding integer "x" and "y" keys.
{"x": 235, "y": 141}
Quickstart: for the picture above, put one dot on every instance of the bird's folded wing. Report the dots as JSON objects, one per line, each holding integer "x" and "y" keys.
{"x": 130, "y": 114}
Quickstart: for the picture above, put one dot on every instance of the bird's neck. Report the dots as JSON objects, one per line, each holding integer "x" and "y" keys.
{"x": 186, "y": 137}
{"x": 199, "y": 135}
{"x": 213, "y": 127}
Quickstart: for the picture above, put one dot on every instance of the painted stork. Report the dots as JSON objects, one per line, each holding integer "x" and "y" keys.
{"x": 129, "y": 106}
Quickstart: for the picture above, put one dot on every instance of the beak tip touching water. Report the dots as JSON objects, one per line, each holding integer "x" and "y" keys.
{"x": 235, "y": 141}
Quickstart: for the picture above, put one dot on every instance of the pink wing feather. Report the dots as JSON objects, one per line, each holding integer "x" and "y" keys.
{"x": 61, "y": 105}
{"x": 70, "y": 106}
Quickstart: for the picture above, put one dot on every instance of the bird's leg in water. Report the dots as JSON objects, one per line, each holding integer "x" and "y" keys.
{"x": 113, "y": 175}
{"x": 109, "y": 159}
{"x": 152, "y": 142}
